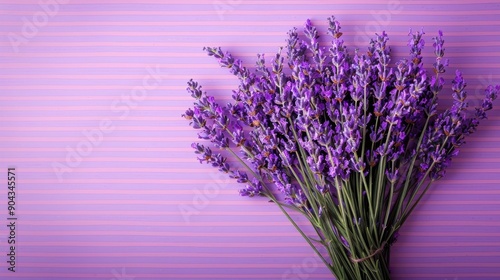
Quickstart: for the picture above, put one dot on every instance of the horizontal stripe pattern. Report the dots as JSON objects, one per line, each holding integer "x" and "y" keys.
{"x": 91, "y": 97}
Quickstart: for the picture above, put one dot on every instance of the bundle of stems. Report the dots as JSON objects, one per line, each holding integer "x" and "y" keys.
{"x": 349, "y": 140}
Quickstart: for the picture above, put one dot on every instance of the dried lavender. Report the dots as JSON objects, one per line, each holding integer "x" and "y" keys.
{"x": 351, "y": 140}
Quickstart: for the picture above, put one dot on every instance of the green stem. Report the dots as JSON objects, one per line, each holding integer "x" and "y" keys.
{"x": 244, "y": 164}
{"x": 269, "y": 194}
{"x": 302, "y": 233}
{"x": 402, "y": 193}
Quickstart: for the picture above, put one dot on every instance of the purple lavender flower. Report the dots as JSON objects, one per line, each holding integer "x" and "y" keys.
{"x": 253, "y": 188}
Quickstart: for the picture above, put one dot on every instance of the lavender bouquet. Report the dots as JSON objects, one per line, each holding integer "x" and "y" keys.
{"x": 349, "y": 140}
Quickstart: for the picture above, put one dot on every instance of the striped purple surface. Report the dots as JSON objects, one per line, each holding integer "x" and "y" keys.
{"x": 91, "y": 94}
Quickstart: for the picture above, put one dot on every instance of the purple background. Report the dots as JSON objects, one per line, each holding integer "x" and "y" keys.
{"x": 135, "y": 204}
